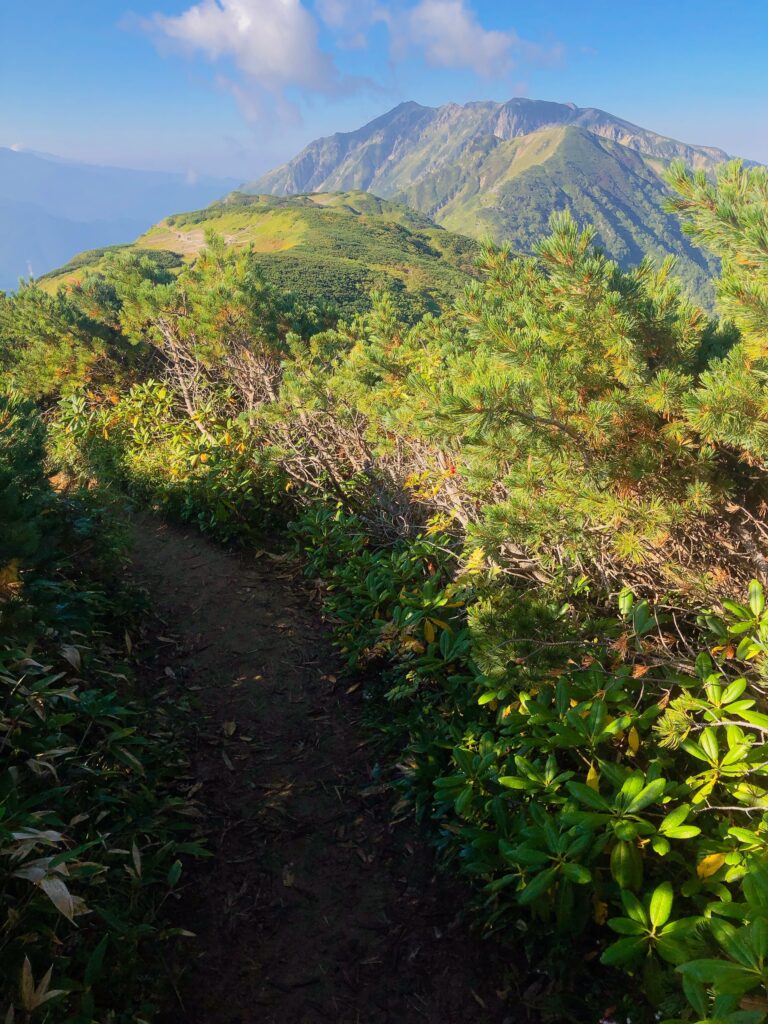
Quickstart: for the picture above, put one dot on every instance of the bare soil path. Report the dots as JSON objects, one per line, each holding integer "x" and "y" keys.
{"x": 313, "y": 907}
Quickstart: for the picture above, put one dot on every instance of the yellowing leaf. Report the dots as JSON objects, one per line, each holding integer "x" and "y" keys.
{"x": 474, "y": 562}
{"x": 710, "y": 865}
{"x": 27, "y": 986}
{"x": 136, "y": 858}
{"x": 59, "y": 895}
{"x": 429, "y": 631}
{"x": 441, "y": 623}
{"x": 701, "y": 794}
{"x": 10, "y": 573}
{"x": 593, "y": 778}
{"x": 633, "y": 740}
{"x": 600, "y": 912}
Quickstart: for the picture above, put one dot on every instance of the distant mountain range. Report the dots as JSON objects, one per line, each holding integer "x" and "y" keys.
{"x": 334, "y": 248}
{"x": 51, "y": 208}
{"x": 499, "y": 169}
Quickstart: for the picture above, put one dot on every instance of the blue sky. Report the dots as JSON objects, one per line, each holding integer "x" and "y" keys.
{"x": 233, "y": 87}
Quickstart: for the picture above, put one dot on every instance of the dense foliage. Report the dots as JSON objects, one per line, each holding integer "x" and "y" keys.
{"x": 90, "y": 835}
{"x": 539, "y": 517}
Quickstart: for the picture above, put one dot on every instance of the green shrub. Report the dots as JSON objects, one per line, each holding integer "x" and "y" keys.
{"x": 225, "y": 482}
{"x": 535, "y": 517}
{"x": 585, "y": 785}
{"x": 91, "y": 835}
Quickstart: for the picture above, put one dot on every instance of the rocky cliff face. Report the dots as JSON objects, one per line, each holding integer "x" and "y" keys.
{"x": 393, "y": 151}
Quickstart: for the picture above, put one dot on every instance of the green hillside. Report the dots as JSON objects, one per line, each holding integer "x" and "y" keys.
{"x": 325, "y": 247}
{"x": 507, "y": 189}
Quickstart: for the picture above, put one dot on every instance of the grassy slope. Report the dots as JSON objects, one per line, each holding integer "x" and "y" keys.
{"x": 506, "y": 189}
{"x": 325, "y": 246}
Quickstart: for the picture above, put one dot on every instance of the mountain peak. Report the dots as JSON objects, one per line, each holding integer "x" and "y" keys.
{"x": 499, "y": 169}
{"x": 373, "y": 156}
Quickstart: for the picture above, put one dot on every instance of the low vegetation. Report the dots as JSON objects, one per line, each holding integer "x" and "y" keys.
{"x": 538, "y": 519}
{"x": 328, "y": 248}
{"x": 90, "y": 833}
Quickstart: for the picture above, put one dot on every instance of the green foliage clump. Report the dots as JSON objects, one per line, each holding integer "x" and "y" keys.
{"x": 164, "y": 259}
{"x": 219, "y": 480}
{"x": 583, "y": 782}
{"x": 55, "y": 344}
{"x": 90, "y": 834}
{"x": 730, "y": 216}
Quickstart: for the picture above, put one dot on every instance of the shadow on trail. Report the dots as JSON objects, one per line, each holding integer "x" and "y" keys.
{"x": 313, "y": 907}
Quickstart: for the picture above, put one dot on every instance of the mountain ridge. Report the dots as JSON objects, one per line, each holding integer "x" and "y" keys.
{"x": 498, "y": 170}
{"x": 505, "y": 120}
{"x": 333, "y": 247}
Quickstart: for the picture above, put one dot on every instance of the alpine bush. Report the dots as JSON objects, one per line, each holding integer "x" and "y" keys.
{"x": 538, "y": 523}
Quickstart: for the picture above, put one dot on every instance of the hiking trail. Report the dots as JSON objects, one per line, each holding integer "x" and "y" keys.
{"x": 314, "y": 906}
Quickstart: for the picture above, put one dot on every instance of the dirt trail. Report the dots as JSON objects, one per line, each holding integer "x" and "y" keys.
{"x": 314, "y": 908}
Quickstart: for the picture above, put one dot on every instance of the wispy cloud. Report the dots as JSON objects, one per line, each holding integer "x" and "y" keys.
{"x": 448, "y": 34}
{"x": 352, "y": 20}
{"x": 451, "y": 36}
{"x": 273, "y": 42}
{"x": 268, "y": 51}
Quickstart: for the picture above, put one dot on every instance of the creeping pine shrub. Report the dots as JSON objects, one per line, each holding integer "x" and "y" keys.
{"x": 90, "y": 837}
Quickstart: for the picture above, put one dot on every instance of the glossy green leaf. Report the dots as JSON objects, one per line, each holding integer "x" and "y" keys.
{"x": 661, "y": 904}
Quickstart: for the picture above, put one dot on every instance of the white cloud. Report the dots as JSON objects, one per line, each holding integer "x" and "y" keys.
{"x": 272, "y": 42}
{"x": 351, "y": 20}
{"x": 339, "y": 13}
{"x": 451, "y": 36}
{"x": 268, "y": 50}
{"x": 447, "y": 32}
